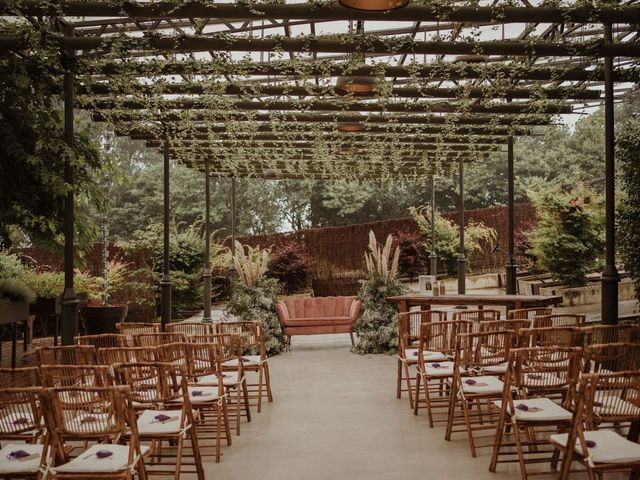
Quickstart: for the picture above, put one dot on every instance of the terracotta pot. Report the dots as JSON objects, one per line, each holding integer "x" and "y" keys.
{"x": 100, "y": 319}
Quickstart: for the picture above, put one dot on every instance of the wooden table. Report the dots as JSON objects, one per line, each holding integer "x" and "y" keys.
{"x": 511, "y": 302}
{"x": 11, "y": 314}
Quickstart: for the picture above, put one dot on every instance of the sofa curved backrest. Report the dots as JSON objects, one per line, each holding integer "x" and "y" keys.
{"x": 327, "y": 307}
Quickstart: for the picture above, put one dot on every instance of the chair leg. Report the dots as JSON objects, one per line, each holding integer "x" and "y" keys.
{"x": 267, "y": 379}
{"x": 238, "y": 409}
{"x": 399, "y": 380}
{"x": 260, "y": 379}
{"x": 197, "y": 458}
{"x": 416, "y": 401}
{"x": 178, "y": 464}
{"x": 467, "y": 421}
{"x": 245, "y": 393}
{"x": 451, "y": 412}
{"x": 407, "y": 372}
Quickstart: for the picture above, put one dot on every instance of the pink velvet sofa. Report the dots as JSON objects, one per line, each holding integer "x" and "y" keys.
{"x": 311, "y": 316}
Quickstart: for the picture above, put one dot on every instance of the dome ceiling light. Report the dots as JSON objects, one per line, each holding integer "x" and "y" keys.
{"x": 374, "y": 5}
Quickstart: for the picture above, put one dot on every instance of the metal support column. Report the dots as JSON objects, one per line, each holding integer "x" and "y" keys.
{"x": 165, "y": 283}
{"x": 69, "y": 297}
{"x": 511, "y": 265}
{"x": 433, "y": 258}
{"x": 462, "y": 259}
{"x": 610, "y": 275}
{"x": 232, "y": 205}
{"x": 206, "y": 276}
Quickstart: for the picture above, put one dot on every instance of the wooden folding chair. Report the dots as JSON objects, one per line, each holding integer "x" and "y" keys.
{"x": 66, "y": 355}
{"x": 600, "y": 334}
{"x": 20, "y": 377}
{"x": 515, "y": 325}
{"x": 528, "y": 313}
{"x": 104, "y": 340}
{"x": 233, "y": 379}
{"x": 409, "y": 334}
{"x": 436, "y": 350}
{"x": 165, "y": 415}
{"x": 479, "y": 315}
{"x": 102, "y": 416}
{"x": 130, "y": 329}
{"x": 254, "y": 358}
{"x": 156, "y": 339}
{"x": 536, "y": 377}
{"x": 558, "y": 320}
{"x": 25, "y": 451}
{"x": 112, "y": 356}
{"x": 603, "y": 398}
{"x": 551, "y": 337}
{"x": 191, "y": 328}
{"x": 480, "y": 359}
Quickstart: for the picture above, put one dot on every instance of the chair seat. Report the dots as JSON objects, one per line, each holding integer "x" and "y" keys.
{"x": 609, "y": 447}
{"x": 200, "y": 395}
{"x": 247, "y": 361}
{"x": 229, "y": 379}
{"x": 499, "y": 369}
{"x": 88, "y": 461}
{"x": 18, "y": 422}
{"x": 154, "y": 422}
{"x": 538, "y": 410}
{"x": 484, "y": 384}
{"x": 439, "y": 369}
{"x": 21, "y": 466}
{"x": 411, "y": 354}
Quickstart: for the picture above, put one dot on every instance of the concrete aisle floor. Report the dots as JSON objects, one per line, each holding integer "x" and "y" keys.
{"x": 335, "y": 416}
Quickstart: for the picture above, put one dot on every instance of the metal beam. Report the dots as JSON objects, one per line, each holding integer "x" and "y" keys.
{"x": 328, "y": 44}
{"x": 511, "y": 266}
{"x": 311, "y": 90}
{"x": 462, "y": 259}
{"x": 165, "y": 282}
{"x": 206, "y": 274}
{"x": 625, "y": 14}
{"x": 214, "y": 103}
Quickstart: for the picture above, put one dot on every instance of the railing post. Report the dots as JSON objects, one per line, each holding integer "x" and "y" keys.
{"x": 433, "y": 257}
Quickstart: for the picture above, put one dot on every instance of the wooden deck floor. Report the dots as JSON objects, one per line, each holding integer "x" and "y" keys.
{"x": 23, "y": 359}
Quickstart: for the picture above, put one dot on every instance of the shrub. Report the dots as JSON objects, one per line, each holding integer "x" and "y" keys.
{"x": 13, "y": 290}
{"x": 414, "y": 254}
{"x": 569, "y": 239}
{"x": 627, "y": 148}
{"x": 447, "y": 237}
{"x": 291, "y": 266}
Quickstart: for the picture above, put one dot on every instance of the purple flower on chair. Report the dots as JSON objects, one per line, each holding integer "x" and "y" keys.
{"x": 415, "y": 354}
{"x": 522, "y": 407}
{"x": 598, "y": 404}
{"x": 161, "y": 417}
{"x": 89, "y": 419}
{"x": 221, "y": 375}
{"x": 104, "y": 453}
{"x": 17, "y": 455}
{"x": 470, "y": 381}
{"x": 21, "y": 421}
{"x": 244, "y": 359}
{"x": 197, "y": 393}
{"x": 436, "y": 365}
{"x": 535, "y": 376}
{"x": 590, "y": 443}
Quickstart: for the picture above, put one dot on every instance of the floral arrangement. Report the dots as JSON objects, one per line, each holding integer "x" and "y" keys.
{"x": 377, "y": 327}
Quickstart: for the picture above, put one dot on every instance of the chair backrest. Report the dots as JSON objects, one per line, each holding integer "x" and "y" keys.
{"x": 409, "y": 324}
{"x": 558, "y": 320}
{"x": 551, "y": 337}
{"x": 129, "y": 329}
{"x": 153, "y": 384}
{"x": 155, "y": 339}
{"x": 204, "y": 359}
{"x": 599, "y": 334}
{"x": 90, "y": 413}
{"x": 230, "y": 343}
{"x": 19, "y": 377}
{"x": 191, "y": 328}
{"x": 54, "y": 376}
{"x": 249, "y": 332}
{"x": 528, "y": 313}
{"x": 514, "y": 325}
{"x": 481, "y": 315}
{"x": 174, "y": 353}
{"x": 441, "y": 336}
{"x": 111, "y": 356}
{"x": 474, "y": 351}
{"x": 104, "y": 340}
{"x": 66, "y": 355}
{"x": 20, "y": 413}
{"x": 611, "y": 357}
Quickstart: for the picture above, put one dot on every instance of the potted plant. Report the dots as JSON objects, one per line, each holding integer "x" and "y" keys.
{"x": 15, "y": 297}
{"x": 47, "y": 287}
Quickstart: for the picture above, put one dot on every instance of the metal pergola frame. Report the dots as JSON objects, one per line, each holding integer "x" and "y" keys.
{"x": 462, "y": 110}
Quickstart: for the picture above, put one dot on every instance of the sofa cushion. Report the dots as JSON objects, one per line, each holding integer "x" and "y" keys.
{"x": 319, "y": 307}
{"x": 316, "y": 322}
